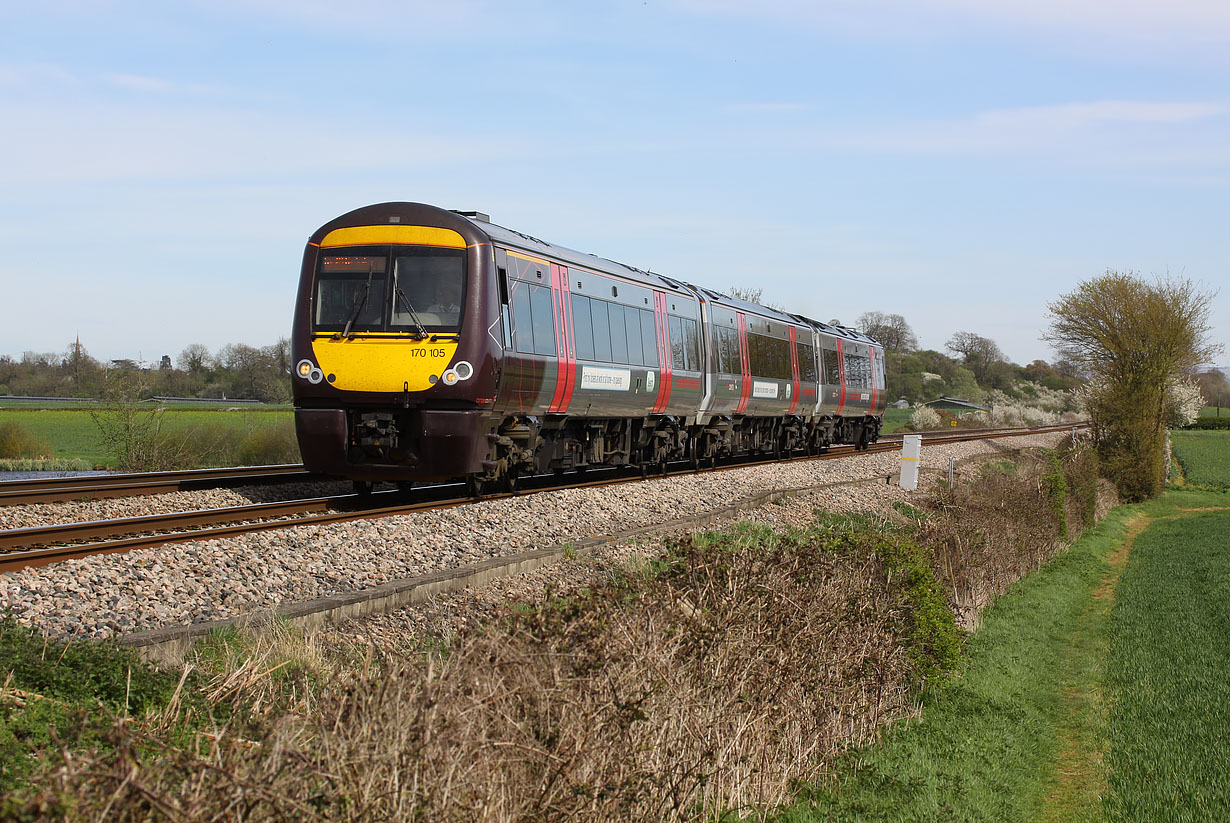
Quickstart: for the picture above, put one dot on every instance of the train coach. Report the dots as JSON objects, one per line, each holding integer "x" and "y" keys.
{"x": 435, "y": 345}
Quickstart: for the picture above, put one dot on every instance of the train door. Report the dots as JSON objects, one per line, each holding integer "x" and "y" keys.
{"x": 745, "y": 365}
{"x": 664, "y": 352}
{"x": 565, "y": 345}
{"x": 793, "y": 390}
{"x": 830, "y": 375}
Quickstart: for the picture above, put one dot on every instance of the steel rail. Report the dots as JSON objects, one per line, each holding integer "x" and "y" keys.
{"x": 59, "y": 489}
{"x": 155, "y": 532}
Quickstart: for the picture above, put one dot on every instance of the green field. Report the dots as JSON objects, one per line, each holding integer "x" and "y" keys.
{"x": 73, "y": 433}
{"x": 1204, "y": 457}
{"x": 1169, "y": 675}
{"x": 1084, "y": 697}
{"x": 895, "y": 419}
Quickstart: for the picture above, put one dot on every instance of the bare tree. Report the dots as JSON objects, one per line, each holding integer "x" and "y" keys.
{"x": 194, "y": 358}
{"x": 889, "y": 329}
{"x": 1133, "y": 338}
{"x": 979, "y": 354}
{"x": 753, "y": 296}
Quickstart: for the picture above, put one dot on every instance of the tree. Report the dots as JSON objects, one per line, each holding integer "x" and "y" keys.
{"x": 1133, "y": 339}
{"x": 752, "y": 296}
{"x": 1213, "y": 387}
{"x": 980, "y": 354}
{"x": 194, "y": 359}
{"x": 889, "y": 329}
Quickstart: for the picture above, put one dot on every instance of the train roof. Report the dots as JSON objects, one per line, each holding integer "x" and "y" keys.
{"x": 529, "y": 243}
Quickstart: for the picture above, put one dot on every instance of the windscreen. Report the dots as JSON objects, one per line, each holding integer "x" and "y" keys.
{"x": 428, "y": 283}
{"x": 355, "y": 293}
{"x": 351, "y": 292}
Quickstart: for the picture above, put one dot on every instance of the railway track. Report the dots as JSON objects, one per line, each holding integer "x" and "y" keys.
{"x": 59, "y": 489}
{"x": 40, "y": 545}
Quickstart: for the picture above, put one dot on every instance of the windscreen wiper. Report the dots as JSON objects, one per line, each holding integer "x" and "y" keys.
{"x": 401, "y": 296}
{"x": 367, "y": 290}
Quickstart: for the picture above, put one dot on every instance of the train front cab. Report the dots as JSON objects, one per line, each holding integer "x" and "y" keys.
{"x": 394, "y": 374}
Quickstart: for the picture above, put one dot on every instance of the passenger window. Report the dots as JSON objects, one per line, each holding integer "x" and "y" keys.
{"x": 727, "y": 350}
{"x": 544, "y": 321}
{"x": 832, "y": 374}
{"x": 807, "y": 363}
{"x": 755, "y": 356}
{"x": 649, "y": 337}
{"x": 692, "y": 344}
{"x": 602, "y": 330}
{"x": 677, "y": 360}
{"x": 582, "y": 327}
{"x": 632, "y": 328}
{"x": 523, "y": 324}
{"x": 619, "y": 334}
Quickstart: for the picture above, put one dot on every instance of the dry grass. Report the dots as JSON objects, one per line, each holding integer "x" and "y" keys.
{"x": 709, "y": 684}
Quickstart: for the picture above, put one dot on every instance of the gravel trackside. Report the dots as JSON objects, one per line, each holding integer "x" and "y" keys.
{"x": 193, "y": 582}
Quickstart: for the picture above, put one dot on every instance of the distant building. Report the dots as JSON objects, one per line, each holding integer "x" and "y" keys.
{"x": 900, "y": 404}
{"x": 955, "y": 404}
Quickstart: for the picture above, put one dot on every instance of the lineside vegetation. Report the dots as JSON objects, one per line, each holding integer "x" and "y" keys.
{"x": 705, "y": 682}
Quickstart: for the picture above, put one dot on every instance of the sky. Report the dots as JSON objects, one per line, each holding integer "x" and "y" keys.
{"x": 958, "y": 162}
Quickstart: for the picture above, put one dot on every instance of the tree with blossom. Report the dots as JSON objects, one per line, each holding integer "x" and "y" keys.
{"x": 1134, "y": 339}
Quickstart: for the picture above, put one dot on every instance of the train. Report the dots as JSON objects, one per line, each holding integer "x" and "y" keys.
{"x": 434, "y": 345}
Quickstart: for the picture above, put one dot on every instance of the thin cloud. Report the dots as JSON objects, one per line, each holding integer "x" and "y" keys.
{"x": 110, "y": 142}
{"x": 1139, "y": 28}
{"x": 1099, "y": 132}
{"x": 755, "y": 108}
{"x": 133, "y": 82}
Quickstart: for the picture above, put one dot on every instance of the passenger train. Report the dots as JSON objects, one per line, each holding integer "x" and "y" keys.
{"x": 435, "y": 345}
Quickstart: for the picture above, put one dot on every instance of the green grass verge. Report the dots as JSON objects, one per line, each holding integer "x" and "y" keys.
{"x": 59, "y": 693}
{"x": 1204, "y": 456}
{"x": 73, "y": 434}
{"x": 895, "y": 419}
{"x": 1169, "y": 675}
{"x": 985, "y": 743}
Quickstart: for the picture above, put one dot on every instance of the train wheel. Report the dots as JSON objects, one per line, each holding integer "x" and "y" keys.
{"x": 363, "y": 488}
{"x": 694, "y": 453}
{"x": 511, "y": 481}
{"x": 474, "y": 486}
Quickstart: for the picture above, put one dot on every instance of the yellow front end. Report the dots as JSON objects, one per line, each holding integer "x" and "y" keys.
{"x": 376, "y": 364}
{"x": 385, "y": 363}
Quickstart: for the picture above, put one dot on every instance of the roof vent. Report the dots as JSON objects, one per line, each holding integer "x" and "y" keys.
{"x": 474, "y": 215}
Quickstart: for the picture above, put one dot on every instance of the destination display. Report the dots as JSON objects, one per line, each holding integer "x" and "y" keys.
{"x": 596, "y": 377}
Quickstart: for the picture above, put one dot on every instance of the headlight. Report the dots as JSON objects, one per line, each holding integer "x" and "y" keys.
{"x": 304, "y": 368}
{"x": 449, "y": 378}
{"x": 464, "y": 370}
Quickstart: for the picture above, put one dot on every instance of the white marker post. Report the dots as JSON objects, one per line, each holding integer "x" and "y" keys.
{"x": 911, "y": 451}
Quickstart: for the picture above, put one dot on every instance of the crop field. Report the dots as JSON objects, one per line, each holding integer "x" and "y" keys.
{"x": 1204, "y": 456}
{"x": 74, "y": 434}
{"x": 1169, "y": 673}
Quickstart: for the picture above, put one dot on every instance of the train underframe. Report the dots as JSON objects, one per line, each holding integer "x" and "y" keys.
{"x": 564, "y": 444}
{"x": 492, "y": 453}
